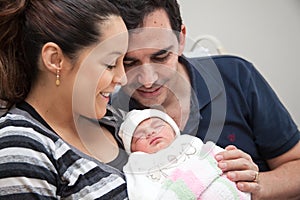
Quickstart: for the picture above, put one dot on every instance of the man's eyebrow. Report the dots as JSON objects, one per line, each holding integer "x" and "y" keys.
{"x": 162, "y": 51}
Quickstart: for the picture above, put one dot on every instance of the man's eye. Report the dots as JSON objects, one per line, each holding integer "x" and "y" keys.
{"x": 162, "y": 58}
{"x": 128, "y": 63}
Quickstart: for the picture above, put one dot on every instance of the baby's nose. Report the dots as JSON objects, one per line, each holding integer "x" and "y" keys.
{"x": 151, "y": 132}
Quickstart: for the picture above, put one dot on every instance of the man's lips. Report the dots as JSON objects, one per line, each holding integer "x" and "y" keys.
{"x": 149, "y": 93}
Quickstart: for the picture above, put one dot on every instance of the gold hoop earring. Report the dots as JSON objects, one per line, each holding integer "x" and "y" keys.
{"x": 57, "y": 82}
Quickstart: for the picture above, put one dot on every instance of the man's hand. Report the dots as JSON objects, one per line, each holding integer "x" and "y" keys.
{"x": 240, "y": 168}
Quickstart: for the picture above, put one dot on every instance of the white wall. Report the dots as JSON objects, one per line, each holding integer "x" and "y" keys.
{"x": 265, "y": 32}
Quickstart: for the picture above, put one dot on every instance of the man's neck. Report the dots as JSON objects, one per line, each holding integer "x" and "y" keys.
{"x": 178, "y": 102}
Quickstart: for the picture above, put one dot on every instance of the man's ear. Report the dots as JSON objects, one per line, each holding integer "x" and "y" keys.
{"x": 52, "y": 57}
{"x": 182, "y": 36}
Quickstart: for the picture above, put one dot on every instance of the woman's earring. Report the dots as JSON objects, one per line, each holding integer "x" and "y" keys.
{"x": 57, "y": 82}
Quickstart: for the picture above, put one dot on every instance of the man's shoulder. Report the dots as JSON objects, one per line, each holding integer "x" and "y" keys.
{"x": 229, "y": 66}
{"x": 219, "y": 58}
{"x": 220, "y": 61}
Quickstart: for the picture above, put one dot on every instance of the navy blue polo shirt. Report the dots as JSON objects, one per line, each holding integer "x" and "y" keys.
{"x": 231, "y": 103}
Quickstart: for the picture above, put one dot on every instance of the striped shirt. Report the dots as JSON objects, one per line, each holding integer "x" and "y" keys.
{"x": 37, "y": 164}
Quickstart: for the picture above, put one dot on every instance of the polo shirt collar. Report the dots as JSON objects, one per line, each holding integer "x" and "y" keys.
{"x": 204, "y": 81}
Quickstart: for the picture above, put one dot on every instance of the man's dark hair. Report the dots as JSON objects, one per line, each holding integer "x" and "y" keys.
{"x": 133, "y": 12}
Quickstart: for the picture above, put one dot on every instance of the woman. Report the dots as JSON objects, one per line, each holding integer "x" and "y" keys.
{"x": 58, "y": 57}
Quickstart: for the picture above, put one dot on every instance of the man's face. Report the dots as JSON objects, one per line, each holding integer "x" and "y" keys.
{"x": 151, "y": 62}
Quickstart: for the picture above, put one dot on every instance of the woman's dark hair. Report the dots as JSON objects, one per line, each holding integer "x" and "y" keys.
{"x": 133, "y": 12}
{"x": 26, "y": 25}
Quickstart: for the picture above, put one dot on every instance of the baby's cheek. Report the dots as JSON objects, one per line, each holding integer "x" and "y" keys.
{"x": 139, "y": 146}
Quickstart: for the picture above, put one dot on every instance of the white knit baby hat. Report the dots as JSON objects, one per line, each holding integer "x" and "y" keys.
{"x": 135, "y": 117}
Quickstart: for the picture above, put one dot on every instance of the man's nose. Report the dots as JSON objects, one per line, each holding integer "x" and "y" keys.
{"x": 147, "y": 76}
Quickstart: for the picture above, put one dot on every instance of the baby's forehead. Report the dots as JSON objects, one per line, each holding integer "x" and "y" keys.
{"x": 152, "y": 121}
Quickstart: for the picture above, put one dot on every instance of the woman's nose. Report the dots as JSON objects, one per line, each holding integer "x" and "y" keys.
{"x": 120, "y": 75}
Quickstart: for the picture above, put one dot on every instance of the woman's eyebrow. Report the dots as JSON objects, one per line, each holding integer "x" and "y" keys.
{"x": 118, "y": 53}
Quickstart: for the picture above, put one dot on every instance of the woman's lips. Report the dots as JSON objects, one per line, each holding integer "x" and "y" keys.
{"x": 105, "y": 95}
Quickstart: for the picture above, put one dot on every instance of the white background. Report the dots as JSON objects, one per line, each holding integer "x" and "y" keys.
{"x": 267, "y": 33}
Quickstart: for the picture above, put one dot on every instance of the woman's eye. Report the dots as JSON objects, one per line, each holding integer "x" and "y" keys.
{"x": 110, "y": 66}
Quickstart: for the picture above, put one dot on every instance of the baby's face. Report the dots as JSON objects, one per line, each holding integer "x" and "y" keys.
{"x": 152, "y": 135}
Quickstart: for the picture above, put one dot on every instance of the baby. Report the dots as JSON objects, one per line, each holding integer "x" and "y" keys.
{"x": 163, "y": 164}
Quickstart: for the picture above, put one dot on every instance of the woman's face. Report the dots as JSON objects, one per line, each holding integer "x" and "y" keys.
{"x": 152, "y": 135}
{"x": 101, "y": 70}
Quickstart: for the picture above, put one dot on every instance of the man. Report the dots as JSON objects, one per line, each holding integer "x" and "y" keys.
{"x": 222, "y": 98}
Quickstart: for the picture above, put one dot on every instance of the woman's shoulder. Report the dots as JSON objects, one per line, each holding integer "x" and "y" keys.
{"x": 19, "y": 123}
{"x": 32, "y": 148}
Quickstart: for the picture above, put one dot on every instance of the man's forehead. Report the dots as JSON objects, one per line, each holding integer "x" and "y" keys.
{"x": 153, "y": 38}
